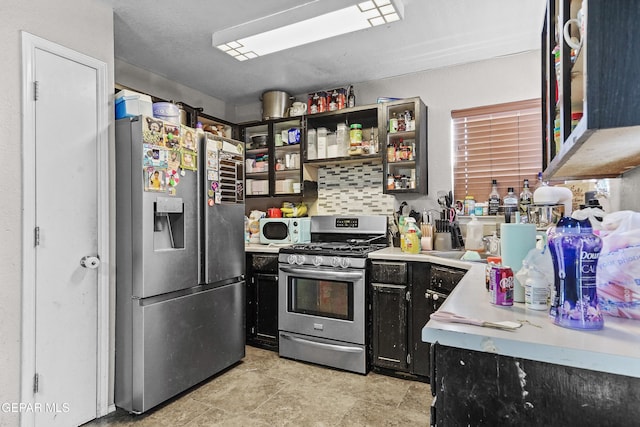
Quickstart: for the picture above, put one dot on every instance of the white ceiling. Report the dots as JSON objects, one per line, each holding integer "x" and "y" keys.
{"x": 173, "y": 39}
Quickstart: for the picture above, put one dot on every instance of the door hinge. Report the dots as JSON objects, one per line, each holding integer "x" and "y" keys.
{"x": 408, "y": 359}
{"x": 36, "y": 236}
{"x": 35, "y": 383}
{"x": 408, "y": 296}
{"x": 35, "y": 90}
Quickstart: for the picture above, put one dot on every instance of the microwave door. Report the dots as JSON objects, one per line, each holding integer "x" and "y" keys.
{"x": 275, "y": 232}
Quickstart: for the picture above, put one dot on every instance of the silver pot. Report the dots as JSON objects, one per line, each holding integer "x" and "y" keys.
{"x": 544, "y": 215}
{"x": 275, "y": 104}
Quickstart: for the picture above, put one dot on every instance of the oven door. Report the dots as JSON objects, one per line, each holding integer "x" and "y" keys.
{"x": 322, "y": 302}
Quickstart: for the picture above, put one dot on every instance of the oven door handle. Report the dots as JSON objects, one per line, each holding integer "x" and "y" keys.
{"x": 313, "y": 273}
{"x": 343, "y": 348}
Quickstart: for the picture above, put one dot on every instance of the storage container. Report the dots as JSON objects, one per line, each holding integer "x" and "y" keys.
{"x": 332, "y": 145}
{"x": 167, "y": 111}
{"x": 322, "y": 143}
{"x": 312, "y": 145}
{"x": 130, "y": 104}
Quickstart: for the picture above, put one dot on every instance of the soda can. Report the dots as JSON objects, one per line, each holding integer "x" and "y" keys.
{"x": 501, "y": 285}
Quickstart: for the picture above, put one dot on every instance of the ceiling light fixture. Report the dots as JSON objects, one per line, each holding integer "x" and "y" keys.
{"x": 275, "y": 32}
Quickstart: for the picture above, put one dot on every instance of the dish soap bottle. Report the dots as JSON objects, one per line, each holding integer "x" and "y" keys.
{"x": 494, "y": 198}
{"x": 411, "y": 237}
{"x": 574, "y": 252}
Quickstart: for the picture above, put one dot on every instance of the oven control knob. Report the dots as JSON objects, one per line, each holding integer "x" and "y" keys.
{"x": 317, "y": 260}
{"x": 291, "y": 259}
{"x": 345, "y": 263}
{"x": 335, "y": 261}
{"x": 300, "y": 259}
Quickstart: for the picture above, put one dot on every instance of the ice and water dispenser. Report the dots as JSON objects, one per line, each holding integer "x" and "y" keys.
{"x": 168, "y": 223}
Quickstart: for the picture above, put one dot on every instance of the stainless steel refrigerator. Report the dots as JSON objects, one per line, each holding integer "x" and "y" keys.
{"x": 180, "y": 290}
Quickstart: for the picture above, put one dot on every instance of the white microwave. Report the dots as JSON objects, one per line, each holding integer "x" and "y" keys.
{"x": 285, "y": 230}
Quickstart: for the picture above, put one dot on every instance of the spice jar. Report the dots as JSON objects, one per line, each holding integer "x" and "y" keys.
{"x": 355, "y": 139}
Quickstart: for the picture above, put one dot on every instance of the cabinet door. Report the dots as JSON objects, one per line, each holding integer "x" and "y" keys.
{"x": 250, "y": 309}
{"x": 390, "y": 326}
{"x": 257, "y": 170}
{"x": 266, "y": 306}
{"x": 404, "y": 128}
{"x": 273, "y": 158}
{"x": 287, "y": 157}
{"x": 421, "y": 309}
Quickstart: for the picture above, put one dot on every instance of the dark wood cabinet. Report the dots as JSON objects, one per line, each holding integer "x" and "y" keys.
{"x": 390, "y": 326}
{"x": 420, "y": 312}
{"x": 403, "y": 131}
{"x": 274, "y": 164}
{"x": 477, "y": 388}
{"x": 389, "y": 283}
{"x": 262, "y": 300}
{"x": 404, "y": 296}
{"x": 590, "y": 94}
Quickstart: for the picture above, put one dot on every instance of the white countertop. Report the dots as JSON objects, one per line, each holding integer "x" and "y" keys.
{"x": 395, "y": 254}
{"x": 259, "y": 248}
{"x": 614, "y": 349}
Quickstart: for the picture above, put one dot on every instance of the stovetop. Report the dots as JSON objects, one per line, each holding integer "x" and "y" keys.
{"x": 351, "y": 249}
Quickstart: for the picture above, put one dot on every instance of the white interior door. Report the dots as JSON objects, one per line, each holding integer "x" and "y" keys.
{"x": 67, "y": 203}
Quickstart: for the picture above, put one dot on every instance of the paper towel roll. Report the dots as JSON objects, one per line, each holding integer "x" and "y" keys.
{"x": 516, "y": 240}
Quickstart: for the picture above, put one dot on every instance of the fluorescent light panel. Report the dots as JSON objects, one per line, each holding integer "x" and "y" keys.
{"x": 364, "y": 15}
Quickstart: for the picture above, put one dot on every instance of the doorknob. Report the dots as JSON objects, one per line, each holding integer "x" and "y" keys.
{"x": 90, "y": 262}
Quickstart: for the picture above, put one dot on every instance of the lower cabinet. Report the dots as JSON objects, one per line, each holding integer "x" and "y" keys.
{"x": 404, "y": 294}
{"x": 389, "y": 341}
{"x": 262, "y": 300}
{"x": 478, "y": 388}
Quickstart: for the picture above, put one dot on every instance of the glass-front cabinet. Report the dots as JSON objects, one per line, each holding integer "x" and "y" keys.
{"x": 404, "y": 131}
{"x": 590, "y": 90}
{"x": 347, "y": 135}
{"x": 273, "y": 158}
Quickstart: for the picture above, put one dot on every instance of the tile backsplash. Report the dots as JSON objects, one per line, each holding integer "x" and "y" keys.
{"x": 352, "y": 189}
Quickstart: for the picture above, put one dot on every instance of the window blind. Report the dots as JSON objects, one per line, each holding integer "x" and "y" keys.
{"x": 501, "y": 142}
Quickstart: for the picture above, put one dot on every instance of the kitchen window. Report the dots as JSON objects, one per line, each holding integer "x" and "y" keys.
{"x": 501, "y": 142}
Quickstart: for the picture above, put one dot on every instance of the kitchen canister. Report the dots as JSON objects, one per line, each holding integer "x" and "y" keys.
{"x": 167, "y": 111}
{"x": 516, "y": 240}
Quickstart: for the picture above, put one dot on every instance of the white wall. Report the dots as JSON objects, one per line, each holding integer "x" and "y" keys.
{"x": 153, "y": 84}
{"x": 85, "y": 26}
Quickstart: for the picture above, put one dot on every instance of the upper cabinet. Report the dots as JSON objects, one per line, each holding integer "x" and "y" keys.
{"x": 345, "y": 135}
{"x": 273, "y": 157}
{"x": 404, "y": 134}
{"x": 591, "y": 90}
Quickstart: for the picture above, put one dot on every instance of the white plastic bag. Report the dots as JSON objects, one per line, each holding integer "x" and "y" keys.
{"x": 618, "y": 273}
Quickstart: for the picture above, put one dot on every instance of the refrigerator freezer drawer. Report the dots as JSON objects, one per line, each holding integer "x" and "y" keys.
{"x": 174, "y": 344}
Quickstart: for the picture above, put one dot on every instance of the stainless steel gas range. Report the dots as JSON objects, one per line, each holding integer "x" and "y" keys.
{"x": 322, "y": 301}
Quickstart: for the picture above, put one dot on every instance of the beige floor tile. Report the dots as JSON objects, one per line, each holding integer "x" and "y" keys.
{"x": 365, "y": 413}
{"x": 267, "y": 390}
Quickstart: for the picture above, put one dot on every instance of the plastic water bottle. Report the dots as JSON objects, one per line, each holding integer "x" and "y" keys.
{"x": 574, "y": 252}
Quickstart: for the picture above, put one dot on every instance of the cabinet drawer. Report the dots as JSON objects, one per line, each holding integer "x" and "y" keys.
{"x": 265, "y": 262}
{"x": 389, "y": 272}
{"x": 444, "y": 279}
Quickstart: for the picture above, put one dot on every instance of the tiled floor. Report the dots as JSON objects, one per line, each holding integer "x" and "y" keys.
{"x": 266, "y": 390}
